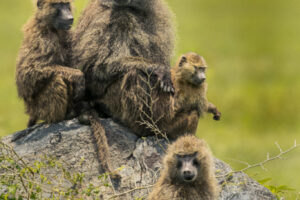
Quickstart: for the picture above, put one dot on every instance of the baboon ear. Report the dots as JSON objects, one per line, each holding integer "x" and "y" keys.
{"x": 39, "y": 4}
{"x": 182, "y": 61}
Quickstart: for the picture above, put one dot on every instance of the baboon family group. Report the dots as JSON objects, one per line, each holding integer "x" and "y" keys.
{"x": 116, "y": 63}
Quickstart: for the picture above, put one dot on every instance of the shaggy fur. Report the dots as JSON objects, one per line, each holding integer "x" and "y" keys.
{"x": 113, "y": 43}
{"x": 44, "y": 81}
{"x": 190, "y": 98}
{"x": 169, "y": 185}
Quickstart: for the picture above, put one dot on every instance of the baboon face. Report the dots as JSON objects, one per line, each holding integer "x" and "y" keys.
{"x": 193, "y": 68}
{"x": 63, "y": 19}
{"x": 58, "y": 15}
{"x": 126, "y": 3}
{"x": 187, "y": 167}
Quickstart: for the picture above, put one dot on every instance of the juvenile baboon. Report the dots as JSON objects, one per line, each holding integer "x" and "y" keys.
{"x": 190, "y": 98}
{"x": 188, "y": 172}
{"x": 118, "y": 40}
{"x": 49, "y": 88}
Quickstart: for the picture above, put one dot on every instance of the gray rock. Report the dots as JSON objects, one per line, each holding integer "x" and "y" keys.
{"x": 139, "y": 159}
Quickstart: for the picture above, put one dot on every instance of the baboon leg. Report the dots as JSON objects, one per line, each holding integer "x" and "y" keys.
{"x": 51, "y": 103}
{"x": 213, "y": 109}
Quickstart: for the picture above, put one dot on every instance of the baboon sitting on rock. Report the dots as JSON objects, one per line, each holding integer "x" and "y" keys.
{"x": 46, "y": 83}
{"x": 116, "y": 42}
{"x": 188, "y": 172}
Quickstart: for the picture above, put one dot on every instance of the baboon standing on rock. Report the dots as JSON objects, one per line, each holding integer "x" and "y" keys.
{"x": 188, "y": 172}
{"x": 115, "y": 42}
{"x": 49, "y": 88}
{"x": 190, "y": 100}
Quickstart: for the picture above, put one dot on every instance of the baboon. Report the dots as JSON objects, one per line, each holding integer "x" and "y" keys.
{"x": 115, "y": 42}
{"x": 188, "y": 172}
{"x": 190, "y": 99}
{"x": 46, "y": 83}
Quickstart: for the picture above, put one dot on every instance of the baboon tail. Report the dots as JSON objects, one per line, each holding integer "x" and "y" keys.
{"x": 101, "y": 141}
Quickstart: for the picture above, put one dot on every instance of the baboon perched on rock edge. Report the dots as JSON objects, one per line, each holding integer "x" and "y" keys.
{"x": 188, "y": 172}
{"x": 190, "y": 98}
{"x": 115, "y": 42}
{"x": 49, "y": 88}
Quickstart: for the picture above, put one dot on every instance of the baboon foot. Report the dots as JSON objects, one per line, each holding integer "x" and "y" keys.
{"x": 84, "y": 119}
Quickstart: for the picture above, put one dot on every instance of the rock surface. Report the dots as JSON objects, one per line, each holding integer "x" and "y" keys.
{"x": 139, "y": 159}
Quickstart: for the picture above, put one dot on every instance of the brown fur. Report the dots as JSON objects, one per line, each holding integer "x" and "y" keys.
{"x": 190, "y": 99}
{"x": 169, "y": 187}
{"x": 115, "y": 46}
{"x": 47, "y": 85}
{"x": 101, "y": 141}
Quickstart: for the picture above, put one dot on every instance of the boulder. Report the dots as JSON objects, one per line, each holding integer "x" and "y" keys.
{"x": 137, "y": 160}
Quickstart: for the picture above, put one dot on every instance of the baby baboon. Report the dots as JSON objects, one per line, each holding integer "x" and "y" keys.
{"x": 49, "y": 88}
{"x": 190, "y": 99}
{"x": 188, "y": 172}
{"x": 123, "y": 39}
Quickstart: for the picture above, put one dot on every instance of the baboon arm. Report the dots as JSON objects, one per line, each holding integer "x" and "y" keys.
{"x": 66, "y": 71}
{"x": 117, "y": 69}
{"x": 211, "y": 108}
{"x": 121, "y": 66}
{"x": 35, "y": 79}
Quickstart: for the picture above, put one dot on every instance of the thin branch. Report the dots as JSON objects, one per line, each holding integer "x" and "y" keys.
{"x": 267, "y": 160}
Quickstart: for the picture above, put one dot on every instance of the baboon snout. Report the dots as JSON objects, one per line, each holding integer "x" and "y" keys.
{"x": 199, "y": 78}
{"x": 67, "y": 16}
{"x": 188, "y": 172}
{"x": 188, "y": 175}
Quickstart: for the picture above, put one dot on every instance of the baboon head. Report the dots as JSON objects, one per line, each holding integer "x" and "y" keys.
{"x": 188, "y": 160}
{"x": 191, "y": 68}
{"x": 55, "y": 13}
{"x": 140, "y": 4}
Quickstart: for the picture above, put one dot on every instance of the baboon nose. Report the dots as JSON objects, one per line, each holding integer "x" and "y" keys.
{"x": 71, "y": 20}
{"x": 188, "y": 175}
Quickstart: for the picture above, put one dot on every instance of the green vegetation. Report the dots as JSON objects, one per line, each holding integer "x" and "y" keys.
{"x": 252, "y": 48}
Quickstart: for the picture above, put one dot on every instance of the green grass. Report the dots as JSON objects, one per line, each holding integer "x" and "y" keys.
{"x": 252, "y": 48}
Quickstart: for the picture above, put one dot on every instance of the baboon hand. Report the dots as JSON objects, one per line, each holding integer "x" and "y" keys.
{"x": 165, "y": 80}
{"x": 217, "y": 115}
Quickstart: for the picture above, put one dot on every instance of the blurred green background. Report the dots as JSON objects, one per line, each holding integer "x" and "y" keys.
{"x": 253, "y": 51}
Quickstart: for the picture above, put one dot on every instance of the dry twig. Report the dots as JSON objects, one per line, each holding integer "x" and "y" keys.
{"x": 267, "y": 160}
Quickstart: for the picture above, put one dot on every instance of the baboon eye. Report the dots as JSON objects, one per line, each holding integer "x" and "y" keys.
{"x": 182, "y": 61}
{"x": 202, "y": 69}
{"x": 179, "y": 164}
{"x": 195, "y": 162}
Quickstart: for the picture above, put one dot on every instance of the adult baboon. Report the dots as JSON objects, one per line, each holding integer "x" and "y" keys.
{"x": 116, "y": 42}
{"x": 188, "y": 172}
{"x": 49, "y": 88}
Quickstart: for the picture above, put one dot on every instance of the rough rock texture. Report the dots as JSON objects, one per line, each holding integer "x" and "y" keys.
{"x": 140, "y": 158}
